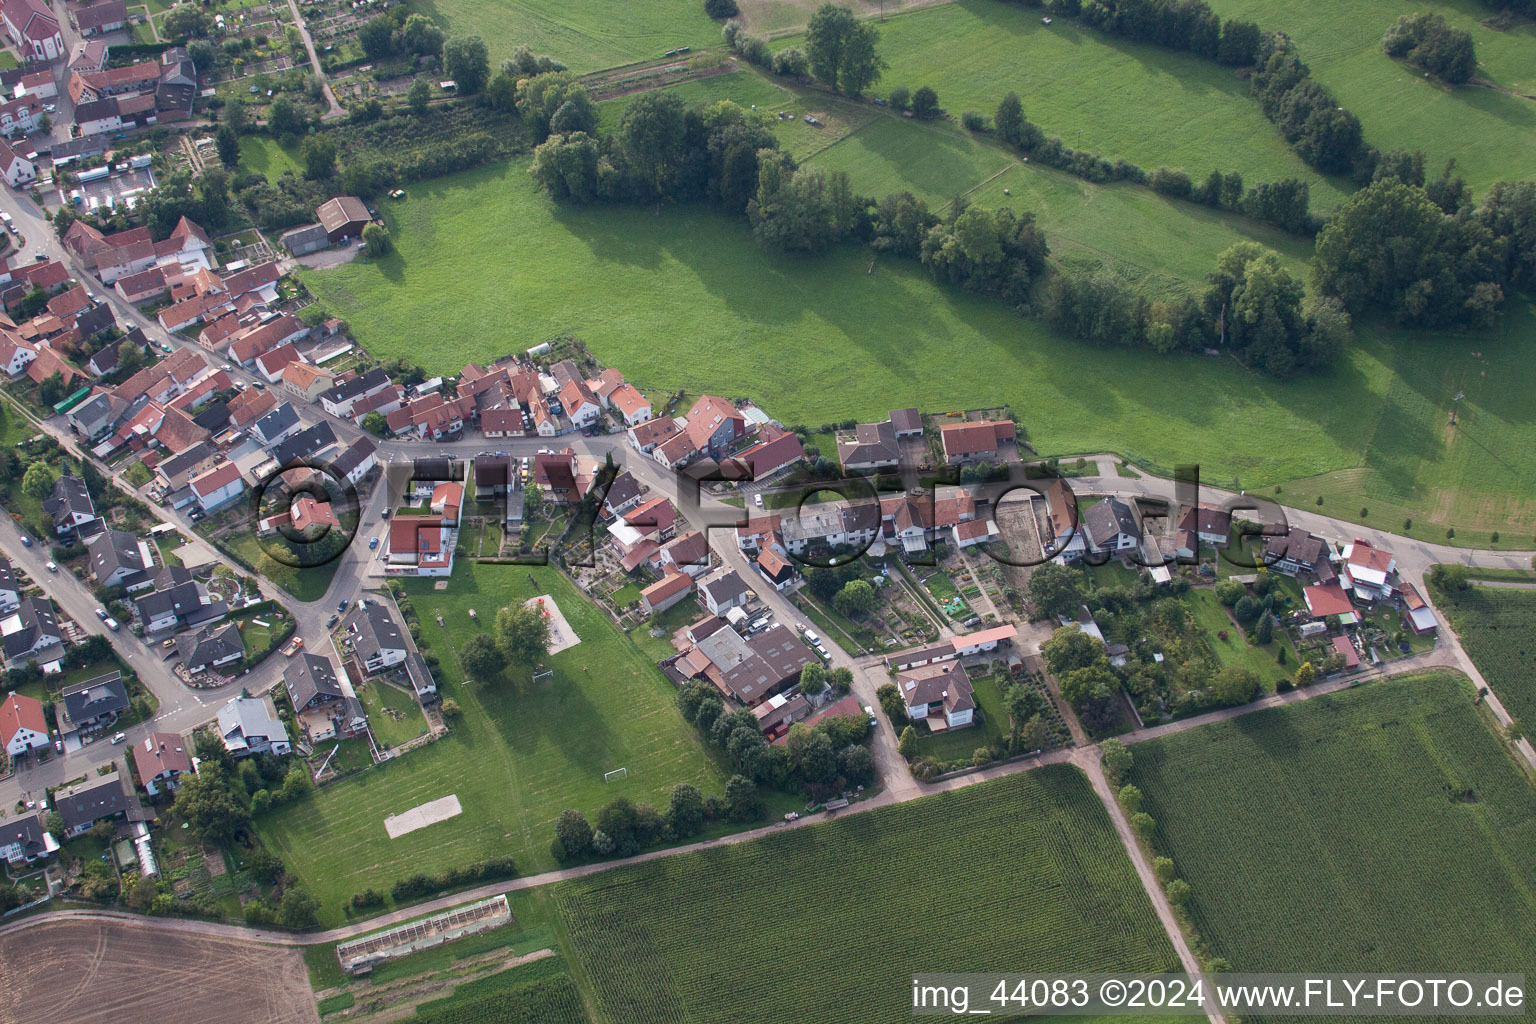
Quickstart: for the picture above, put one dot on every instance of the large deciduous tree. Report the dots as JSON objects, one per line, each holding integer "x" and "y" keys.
{"x": 840, "y": 50}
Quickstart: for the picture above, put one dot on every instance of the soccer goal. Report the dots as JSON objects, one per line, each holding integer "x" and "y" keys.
{"x": 617, "y": 773}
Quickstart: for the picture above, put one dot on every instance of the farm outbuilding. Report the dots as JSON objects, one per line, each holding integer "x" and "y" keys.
{"x": 307, "y": 239}
{"x": 343, "y": 217}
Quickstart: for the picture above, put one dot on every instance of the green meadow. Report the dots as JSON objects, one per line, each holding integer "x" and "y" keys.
{"x": 1490, "y": 131}
{"x": 686, "y": 299}
{"x": 1138, "y": 102}
{"x": 585, "y": 36}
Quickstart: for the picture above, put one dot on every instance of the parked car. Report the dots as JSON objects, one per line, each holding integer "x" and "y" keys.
{"x": 343, "y": 606}
{"x": 51, "y": 566}
{"x": 26, "y": 541}
{"x": 119, "y": 737}
{"x": 112, "y": 624}
{"x": 871, "y": 713}
{"x": 373, "y": 544}
{"x": 101, "y": 613}
{"x": 332, "y": 621}
{"x": 168, "y": 642}
{"x": 757, "y": 499}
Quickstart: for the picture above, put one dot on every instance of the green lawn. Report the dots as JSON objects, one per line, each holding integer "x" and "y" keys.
{"x": 1037, "y": 877}
{"x": 960, "y": 744}
{"x": 305, "y": 584}
{"x": 1235, "y": 650}
{"x": 517, "y": 756}
{"x": 1497, "y": 627}
{"x": 1142, "y": 103}
{"x": 1381, "y": 829}
{"x": 1490, "y": 133}
{"x": 406, "y": 721}
{"x": 585, "y": 37}
{"x": 689, "y": 300}
{"x": 260, "y": 154}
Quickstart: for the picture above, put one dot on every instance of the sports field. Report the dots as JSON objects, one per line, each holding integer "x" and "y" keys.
{"x": 584, "y": 36}
{"x": 1379, "y": 829}
{"x": 515, "y": 758}
{"x": 1142, "y": 103}
{"x": 1497, "y": 627}
{"x": 689, "y": 300}
{"x": 1024, "y": 870}
{"x": 1491, "y": 132}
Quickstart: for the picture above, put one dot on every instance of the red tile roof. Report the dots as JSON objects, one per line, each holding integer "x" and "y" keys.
{"x": 1324, "y": 599}
{"x": 975, "y": 438}
{"x": 21, "y": 712}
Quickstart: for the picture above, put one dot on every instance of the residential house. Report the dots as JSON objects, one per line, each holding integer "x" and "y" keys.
{"x": 23, "y": 840}
{"x": 776, "y": 714}
{"x": 555, "y": 473}
{"x": 1295, "y": 553}
{"x": 10, "y": 593}
{"x": 249, "y": 725}
{"x": 977, "y": 531}
{"x": 644, "y": 437}
{"x": 278, "y": 425}
{"x": 774, "y": 567}
{"x": 102, "y": 798}
{"x": 714, "y": 425}
{"x": 319, "y": 700}
{"x": 356, "y": 460}
{"x": 32, "y": 633}
{"x": 580, "y": 404}
{"x": 16, "y": 169}
{"x": 69, "y": 505}
{"x": 776, "y": 449}
{"x": 93, "y": 705}
{"x": 630, "y": 405}
{"x": 833, "y": 524}
{"x": 989, "y": 440}
{"x": 1371, "y": 572}
{"x": 338, "y": 401}
{"x": 939, "y": 695}
{"x": 211, "y": 647}
{"x": 218, "y": 487}
{"x": 15, "y": 354}
{"x": 724, "y": 592}
{"x": 1325, "y": 599}
{"x": 376, "y": 641}
{"x": 666, "y": 592}
{"x": 272, "y": 364}
{"x": 869, "y": 446}
{"x": 120, "y": 559}
{"x": 184, "y": 604}
{"x": 99, "y": 19}
{"x": 306, "y": 381}
{"x": 623, "y": 495}
{"x": 23, "y": 727}
{"x": 160, "y": 761}
{"x": 1111, "y": 527}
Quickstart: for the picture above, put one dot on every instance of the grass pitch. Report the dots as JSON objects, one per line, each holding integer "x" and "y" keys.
{"x": 517, "y": 755}
{"x": 1381, "y": 829}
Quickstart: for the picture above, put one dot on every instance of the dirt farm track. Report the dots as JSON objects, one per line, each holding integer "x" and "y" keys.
{"x": 84, "y": 972}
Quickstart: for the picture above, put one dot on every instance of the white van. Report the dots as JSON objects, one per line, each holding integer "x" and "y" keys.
{"x": 812, "y": 637}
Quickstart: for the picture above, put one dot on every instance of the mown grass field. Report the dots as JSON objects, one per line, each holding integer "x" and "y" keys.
{"x": 585, "y": 37}
{"x": 1497, "y": 627}
{"x": 1236, "y": 650}
{"x": 688, "y": 300}
{"x": 1380, "y": 829}
{"x": 1490, "y": 132}
{"x": 517, "y": 755}
{"x": 262, "y": 155}
{"x": 1024, "y": 870}
{"x": 1151, "y": 106}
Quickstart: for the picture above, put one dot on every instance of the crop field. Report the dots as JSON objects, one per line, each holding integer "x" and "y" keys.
{"x": 1497, "y": 627}
{"x": 1021, "y": 870}
{"x": 688, "y": 300}
{"x": 1491, "y": 132}
{"x": 586, "y": 37}
{"x": 517, "y": 756}
{"x": 1142, "y": 103}
{"x": 1374, "y": 829}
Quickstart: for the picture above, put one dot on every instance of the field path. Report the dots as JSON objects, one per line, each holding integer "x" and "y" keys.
{"x": 1087, "y": 759}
